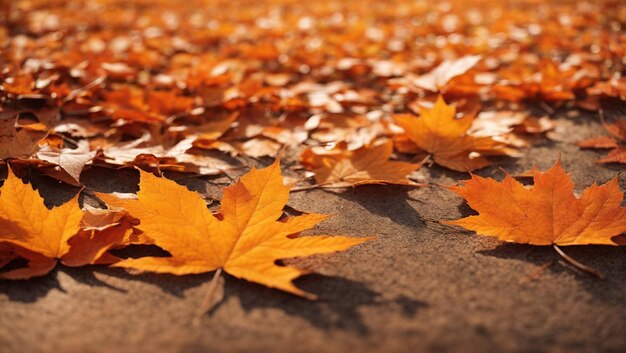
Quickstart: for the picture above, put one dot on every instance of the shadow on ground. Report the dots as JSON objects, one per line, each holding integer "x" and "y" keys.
{"x": 385, "y": 201}
{"x": 338, "y": 305}
{"x": 610, "y": 261}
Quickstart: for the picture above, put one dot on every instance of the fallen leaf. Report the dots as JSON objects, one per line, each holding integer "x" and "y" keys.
{"x": 367, "y": 165}
{"x": 616, "y": 142}
{"x": 16, "y": 142}
{"x": 209, "y": 130}
{"x": 600, "y": 142}
{"x": 617, "y": 155}
{"x": 356, "y": 130}
{"x": 38, "y": 234}
{"x": 256, "y": 147}
{"x": 245, "y": 240}
{"x": 177, "y": 158}
{"x": 72, "y": 161}
{"x": 615, "y": 87}
{"x": 437, "y": 79}
{"x": 438, "y": 132}
{"x": 547, "y": 213}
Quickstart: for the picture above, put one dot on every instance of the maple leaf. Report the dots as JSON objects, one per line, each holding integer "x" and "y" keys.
{"x": 38, "y": 234}
{"x": 245, "y": 240}
{"x": 546, "y": 214}
{"x": 616, "y": 142}
{"x": 367, "y": 165}
{"x": 438, "y": 132}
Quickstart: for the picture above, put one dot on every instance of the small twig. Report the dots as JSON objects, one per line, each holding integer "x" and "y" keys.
{"x": 208, "y": 298}
{"x": 578, "y": 265}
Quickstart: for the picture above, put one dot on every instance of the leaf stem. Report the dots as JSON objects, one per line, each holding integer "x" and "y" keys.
{"x": 578, "y": 265}
{"x": 208, "y": 298}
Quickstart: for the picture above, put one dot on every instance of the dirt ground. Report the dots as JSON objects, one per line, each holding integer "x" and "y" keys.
{"x": 419, "y": 287}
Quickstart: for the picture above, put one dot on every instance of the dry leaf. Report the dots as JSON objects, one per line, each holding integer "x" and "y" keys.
{"x": 367, "y": 165}
{"x": 16, "y": 142}
{"x": 545, "y": 214}
{"x": 245, "y": 240}
{"x": 447, "y": 70}
{"x": 176, "y": 158}
{"x": 72, "y": 161}
{"x": 438, "y": 132}
{"x": 617, "y": 142}
{"x": 38, "y": 234}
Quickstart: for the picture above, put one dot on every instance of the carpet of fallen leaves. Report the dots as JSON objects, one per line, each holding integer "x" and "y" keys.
{"x": 361, "y": 92}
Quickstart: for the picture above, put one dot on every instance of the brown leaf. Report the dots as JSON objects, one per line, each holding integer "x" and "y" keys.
{"x": 16, "y": 142}
{"x": 70, "y": 160}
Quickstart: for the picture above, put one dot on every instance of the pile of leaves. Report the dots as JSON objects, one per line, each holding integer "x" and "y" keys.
{"x": 360, "y": 92}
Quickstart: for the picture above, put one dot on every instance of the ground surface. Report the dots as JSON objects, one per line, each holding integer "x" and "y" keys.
{"x": 420, "y": 287}
{"x": 156, "y": 72}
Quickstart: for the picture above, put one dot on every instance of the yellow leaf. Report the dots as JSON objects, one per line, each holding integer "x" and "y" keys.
{"x": 438, "y": 132}
{"x": 38, "y": 234}
{"x": 25, "y": 220}
{"x": 246, "y": 239}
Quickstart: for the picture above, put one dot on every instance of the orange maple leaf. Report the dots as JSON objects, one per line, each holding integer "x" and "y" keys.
{"x": 245, "y": 240}
{"x": 43, "y": 236}
{"x": 367, "y": 165}
{"x": 439, "y": 133}
{"x": 546, "y": 214}
{"x": 616, "y": 142}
